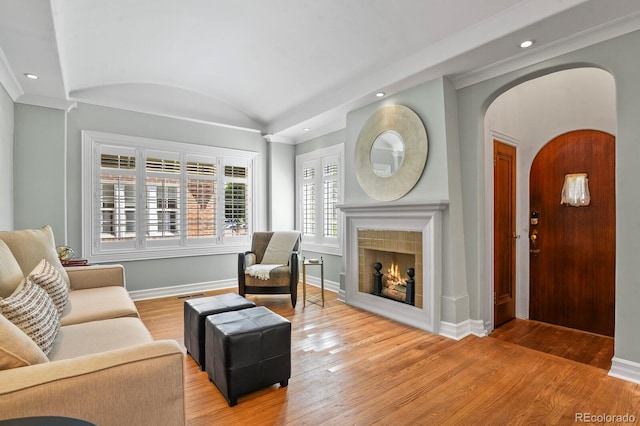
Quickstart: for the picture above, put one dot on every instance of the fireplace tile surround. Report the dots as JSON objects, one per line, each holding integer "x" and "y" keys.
{"x": 402, "y": 248}
{"x": 402, "y": 228}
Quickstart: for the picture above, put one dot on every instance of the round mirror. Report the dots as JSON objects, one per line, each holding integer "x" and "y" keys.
{"x": 387, "y": 153}
{"x": 391, "y": 153}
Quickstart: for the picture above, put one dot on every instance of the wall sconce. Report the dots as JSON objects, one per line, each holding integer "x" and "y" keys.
{"x": 575, "y": 191}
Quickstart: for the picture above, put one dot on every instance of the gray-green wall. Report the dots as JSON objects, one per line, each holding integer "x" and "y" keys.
{"x": 6, "y": 160}
{"x": 39, "y": 169}
{"x": 619, "y": 56}
{"x": 281, "y": 192}
{"x": 332, "y": 263}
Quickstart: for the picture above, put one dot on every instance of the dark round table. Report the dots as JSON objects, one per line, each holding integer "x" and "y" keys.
{"x": 45, "y": 421}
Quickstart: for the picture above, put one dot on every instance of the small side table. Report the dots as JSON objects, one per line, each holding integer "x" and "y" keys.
{"x": 312, "y": 262}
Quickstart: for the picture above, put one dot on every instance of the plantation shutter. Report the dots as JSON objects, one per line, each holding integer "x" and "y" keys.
{"x": 309, "y": 199}
{"x": 201, "y": 197}
{"x": 163, "y": 195}
{"x": 236, "y": 198}
{"x": 117, "y": 195}
{"x": 330, "y": 197}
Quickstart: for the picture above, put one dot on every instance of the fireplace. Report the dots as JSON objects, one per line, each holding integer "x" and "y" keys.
{"x": 407, "y": 236}
{"x": 396, "y": 252}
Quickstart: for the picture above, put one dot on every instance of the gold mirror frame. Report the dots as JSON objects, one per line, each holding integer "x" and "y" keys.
{"x": 406, "y": 123}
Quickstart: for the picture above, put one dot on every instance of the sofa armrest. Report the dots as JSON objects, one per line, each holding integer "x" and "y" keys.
{"x": 82, "y": 277}
{"x": 138, "y": 385}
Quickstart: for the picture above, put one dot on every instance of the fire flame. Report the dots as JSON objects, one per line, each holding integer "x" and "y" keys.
{"x": 393, "y": 275}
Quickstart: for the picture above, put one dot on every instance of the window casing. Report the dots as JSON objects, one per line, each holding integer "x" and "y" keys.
{"x": 145, "y": 198}
{"x": 319, "y": 181}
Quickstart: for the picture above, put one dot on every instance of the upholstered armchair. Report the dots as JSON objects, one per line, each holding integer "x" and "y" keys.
{"x": 280, "y": 275}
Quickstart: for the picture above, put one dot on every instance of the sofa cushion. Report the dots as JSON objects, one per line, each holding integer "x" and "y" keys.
{"x": 32, "y": 310}
{"x": 99, "y": 303}
{"x": 16, "y": 348}
{"x": 30, "y": 246}
{"x": 48, "y": 277}
{"x": 10, "y": 273}
{"x": 98, "y": 336}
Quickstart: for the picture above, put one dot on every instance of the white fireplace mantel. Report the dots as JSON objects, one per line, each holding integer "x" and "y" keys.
{"x": 419, "y": 217}
{"x": 393, "y": 207}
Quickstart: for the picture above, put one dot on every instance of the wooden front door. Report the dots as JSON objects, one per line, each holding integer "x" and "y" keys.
{"x": 504, "y": 232}
{"x": 572, "y": 249}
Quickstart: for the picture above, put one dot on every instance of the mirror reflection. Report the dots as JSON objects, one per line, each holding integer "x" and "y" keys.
{"x": 387, "y": 153}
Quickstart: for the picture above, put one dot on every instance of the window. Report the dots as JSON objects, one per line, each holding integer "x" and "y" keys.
{"x": 147, "y": 198}
{"x": 319, "y": 190}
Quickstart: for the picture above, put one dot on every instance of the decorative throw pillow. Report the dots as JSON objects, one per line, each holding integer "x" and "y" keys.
{"x": 30, "y": 246}
{"x": 10, "y": 273}
{"x": 16, "y": 348}
{"x": 31, "y": 309}
{"x": 48, "y": 277}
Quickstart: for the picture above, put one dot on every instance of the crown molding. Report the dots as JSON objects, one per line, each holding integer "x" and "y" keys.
{"x": 8, "y": 79}
{"x": 279, "y": 139}
{"x": 569, "y": 44}
{"x": 47, "y": 102}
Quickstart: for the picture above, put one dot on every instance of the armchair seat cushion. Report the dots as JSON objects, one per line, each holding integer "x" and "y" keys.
{"x": 98, "y": 304}
{"x": 278, "y": 277}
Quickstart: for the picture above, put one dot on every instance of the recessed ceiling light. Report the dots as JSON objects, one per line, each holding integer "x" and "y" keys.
{"x": 306, "y": 129}
{"x": 526, "y": 43}
{"x": 380, "y": 94}
{"x": 31, "y": 76}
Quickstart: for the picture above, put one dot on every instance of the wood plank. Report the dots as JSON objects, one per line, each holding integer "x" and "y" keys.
{"x": 353, "y": 367}
{"x": 577, "y": 345}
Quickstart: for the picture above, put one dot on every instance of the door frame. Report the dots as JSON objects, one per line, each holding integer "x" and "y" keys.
{"x": 522, "y": 293}
{"x": 506, "y": 257}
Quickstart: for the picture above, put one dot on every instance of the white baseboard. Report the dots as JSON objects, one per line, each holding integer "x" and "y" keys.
{"x": 176, "y": 290}
{"x": 462, "y": 329}
{"x": 328, "y": 285}
{"x": 155, "y": 293}
{"x": 625, "y": 370}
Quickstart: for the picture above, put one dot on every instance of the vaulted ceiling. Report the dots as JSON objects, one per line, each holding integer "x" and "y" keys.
{"x": 278, "y": 66}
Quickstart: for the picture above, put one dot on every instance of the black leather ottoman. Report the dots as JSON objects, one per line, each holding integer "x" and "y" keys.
{"x": 195, "y": 312}
{"x": 247, "y": 350}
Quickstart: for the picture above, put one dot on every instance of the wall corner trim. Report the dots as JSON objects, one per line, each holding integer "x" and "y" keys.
{"x": 462, "y": 329}
{"x": 625, "y": 370}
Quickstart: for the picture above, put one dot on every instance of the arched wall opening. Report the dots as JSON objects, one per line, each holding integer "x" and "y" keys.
{"x": 527, "y": 115}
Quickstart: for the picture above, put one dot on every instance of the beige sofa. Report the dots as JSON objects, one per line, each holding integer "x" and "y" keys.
{"x": 102, "y": 366}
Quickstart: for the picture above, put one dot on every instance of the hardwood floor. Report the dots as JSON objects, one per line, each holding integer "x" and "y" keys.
{"x": 350, "y": 367}
{"x": 587, "y": 348}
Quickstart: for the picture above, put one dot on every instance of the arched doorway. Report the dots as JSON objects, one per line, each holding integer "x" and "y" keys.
{"x": 527, "y": 116}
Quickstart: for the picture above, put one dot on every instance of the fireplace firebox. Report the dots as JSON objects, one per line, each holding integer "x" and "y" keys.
{"x": 396, "y": 252}
{"x": 392, "y": 286}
